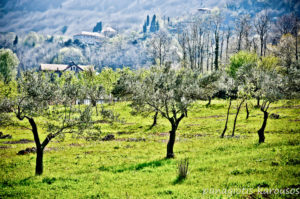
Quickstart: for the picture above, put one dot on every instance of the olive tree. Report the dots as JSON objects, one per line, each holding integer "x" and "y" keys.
{"x": 107, "y": 78}
{"x": 71, "y": 90}
{"x": 241, "y": 87}
{"x": 272, "y": 90}
{"x": 8, "y": 65}
{"x": 93, "y": 90}
{"x": 168, "y": 92}
{"x": 209, "y": 82}
{"x": 125, "y": 86}
{"x": 227, "y": 84}
{"x": 36, "y": 93}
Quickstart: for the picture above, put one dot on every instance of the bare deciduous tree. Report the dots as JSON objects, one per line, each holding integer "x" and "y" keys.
{"x": 160, "y": 46}
{"x": 262, "y": 26}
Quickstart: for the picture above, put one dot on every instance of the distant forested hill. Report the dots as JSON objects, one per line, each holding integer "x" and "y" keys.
{"x": 51, "y": 16}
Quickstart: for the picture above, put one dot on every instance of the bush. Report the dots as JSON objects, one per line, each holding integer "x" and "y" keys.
{"x": 240, "y": 59}
{"x": 183, "y": 167}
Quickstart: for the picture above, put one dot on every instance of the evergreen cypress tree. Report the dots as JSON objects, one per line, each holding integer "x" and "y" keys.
{"x": 153, "y": 24}
{"x": 157, "y": 26}
{"x": 98, "y": 27}
{"x": 145, "y": 27}
{"x": 16, "y": 40}
{"x": 148, "y": 20}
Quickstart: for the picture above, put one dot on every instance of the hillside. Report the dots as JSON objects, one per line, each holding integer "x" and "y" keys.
{"x": 50, "y": 16}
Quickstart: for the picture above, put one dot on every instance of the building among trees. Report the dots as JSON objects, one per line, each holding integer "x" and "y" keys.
{"x": 90, "y": 37}
{"x": 109, "y": 32}
{"x": 60, "y": 68}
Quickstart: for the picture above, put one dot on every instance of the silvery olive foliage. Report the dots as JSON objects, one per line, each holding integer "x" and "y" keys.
{"x": 124, "y": 86}
{"x": 166, "y": 90}
{"x": 39, "y": 98}
{"x": 227, "y": 85}
{"x": 292, "y": 82}
{"x": 210, "y": 83}
{"x": 93, "y": 90}
{"x": 36, "y": 93}
{"x": 266, "y": 84}
{"x": 272, "y": 86}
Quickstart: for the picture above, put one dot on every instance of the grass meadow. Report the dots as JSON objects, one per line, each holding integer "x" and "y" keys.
{"x": 133, "y": 165}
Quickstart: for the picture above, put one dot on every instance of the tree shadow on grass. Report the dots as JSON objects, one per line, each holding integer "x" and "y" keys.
{"x": 137, "y": 167}
{"x": 178, "y": 180}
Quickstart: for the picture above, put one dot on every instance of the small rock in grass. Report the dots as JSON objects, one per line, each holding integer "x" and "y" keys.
{"x": 274, "y": 116}
{"x": 27, "y": 151}
{"x": 108, "y": 137}
{"x": 2, "y": 136}
{"x": 274, "y": 163}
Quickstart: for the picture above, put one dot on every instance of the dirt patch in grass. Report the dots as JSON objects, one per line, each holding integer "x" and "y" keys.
{"x": 131, "y": 139}
{"x": 297, "y": 120}
{"x": 236, "y": 136}
{"x": 163, "y": 134}
{"x": 129, "y": 123}
{"x": 88, "y": 152}
{"x": 167, "y": 140}
{"x": 194, "y": 124}
{"x": 211, "y": 116}
{"x": 286, "y": 107}
{"x": 22, "y": 141}
{"x": 194, "y": 135}
{"x": 125, "y": 133}
{"x": 75, "y": 144}
{"x": 5, "y": 147}
{"x": 53, "y": 148}
{"x": 104, "y": 122}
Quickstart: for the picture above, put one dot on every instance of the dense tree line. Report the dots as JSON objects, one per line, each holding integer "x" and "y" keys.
{"x": 204, "y": 41}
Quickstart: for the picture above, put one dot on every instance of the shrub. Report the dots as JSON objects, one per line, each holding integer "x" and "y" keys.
{"x": 183, "y": 167}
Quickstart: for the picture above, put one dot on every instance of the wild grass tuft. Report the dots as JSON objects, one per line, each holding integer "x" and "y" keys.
{"x": 183, "y": 168}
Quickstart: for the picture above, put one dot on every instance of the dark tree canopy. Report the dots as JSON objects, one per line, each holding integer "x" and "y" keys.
{"x": 98, "y": 27}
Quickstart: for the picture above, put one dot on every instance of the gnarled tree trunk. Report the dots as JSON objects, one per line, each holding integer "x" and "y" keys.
{"x": 39, "y": 161}
{"x": 235, "y": 119}
{"x": 258, "y": 102}
{"x": 154, "y": 120}
{"x": 39, "y": 148}
{"x": 209, "y": 101}
{"x": 225, "y": 128}
{"x": 261, "y": 131}
{"x": 170, "y": 146}
{"x": 94, "y": 103}
{"x": 247, "y": 111}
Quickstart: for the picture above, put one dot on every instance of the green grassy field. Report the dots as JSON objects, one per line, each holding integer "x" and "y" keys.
{"x": 131, "y": 167}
